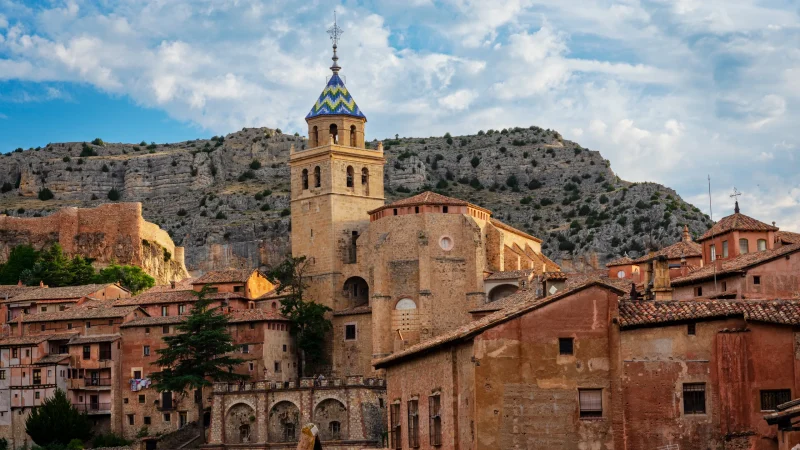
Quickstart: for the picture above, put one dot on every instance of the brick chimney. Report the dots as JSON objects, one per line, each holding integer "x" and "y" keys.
{"x": 686, "y": 236}
{"x": 41, "y": 284}
{"x": 19, "y": 283}
{"x": 662, "y": 289}
{"x": 684, "y": 266}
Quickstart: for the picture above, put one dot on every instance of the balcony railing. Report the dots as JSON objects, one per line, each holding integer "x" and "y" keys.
{"x": 93, "y": 407}
{"x": 97, "y": 381}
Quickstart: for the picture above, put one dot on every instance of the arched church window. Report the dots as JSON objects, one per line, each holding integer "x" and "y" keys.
{"x": 315, "y": 137}
{"x": 349, "y": 176}
{"x": 244, "y": 433}
{"x": 352, "y": 136}
{"x": 305, "y": 179}
{"x": 317, "y": 177}
{"x": 334, "y": 131}
{"x": 365, "y": 180}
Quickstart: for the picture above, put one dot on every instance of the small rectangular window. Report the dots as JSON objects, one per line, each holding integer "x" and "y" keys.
{"x": 694, "y": 398}
{"x": 87, "y": 352}
{"x": 251, "y": 366}
{"x": 565, "y": 346}
{"x": 125, "y": 400}
{"x": 350, "y": 332}
{"x": 252, "y": 325}
{"x": 165, "y": 310}
{"x": 44, "y": 308}
{"x": 725, "y": 249}
{"x": 245, "y": 348}
{"x": 744, "y": 246}
{"x": 88, "y": 324}
{"x": 167, "y": 417}
{"x": 762, "y": 245}
{"x": 141, "y": 399}
{"x": 277, "y": 367}
{"x": 69, "y": 326}
{"x": 165, "y": 329}
{"x": 691, "y": 329}
{"x": 591, "y": 403}
{"x": 444, "y": 209}
{"x": 137, "y": 374}
{"x": 131, "y": 420}
{"x": 394, "y": 419}
{"x": 147, "y": 331}
{"x": 435, "y": 419}
{"x": 395, "y": 213}
{"x": 770, "y": 399}
{"x": 724, "y": 286}
{"x": 713, "y": 252}
{"x": 698, "y": 291}
{"x": 147, "y": 420}
{"x": 2, "y": 374}
{"x": 413, "y": 423}
{"x": 146, "y": 350}
{"x": 284, "y": 347}
{"x": 181, "y": 309}
{"x": 756, "y": 279}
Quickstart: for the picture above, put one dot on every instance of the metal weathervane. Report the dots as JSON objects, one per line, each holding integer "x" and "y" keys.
{"x": 735, "y": 196}
{"x": 335, "y": 32}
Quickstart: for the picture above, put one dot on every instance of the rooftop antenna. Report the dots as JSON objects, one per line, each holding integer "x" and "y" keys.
{"x": 335, "y": 33}
{"x": 711, "y": 216}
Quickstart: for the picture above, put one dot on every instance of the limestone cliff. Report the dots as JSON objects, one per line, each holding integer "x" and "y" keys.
{"x": 108, "y": 233}
{"x": 226, "y": 201}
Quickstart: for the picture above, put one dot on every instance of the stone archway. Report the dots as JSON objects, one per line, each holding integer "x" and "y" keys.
{"x": 240, "y": 424}
{"x": 284, "y": 422}
{"x": 502, "y": 291}
{"x": 330, "y": 415}
{"x": 356, "y": 290}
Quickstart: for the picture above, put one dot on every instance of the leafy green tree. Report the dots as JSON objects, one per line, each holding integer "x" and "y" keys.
{"x": 57, "y": 421}
{"x": 132, "y": 278}
{"x": 198, "y": 354}
{"x": 21, "y": 257}
{"x": 55, "y": 269}
{"x": 308, "y": 323}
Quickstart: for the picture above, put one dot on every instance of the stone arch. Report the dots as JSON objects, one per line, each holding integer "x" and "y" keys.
{"x": 405, "y": 321}
{"x": 502, "y": 291}
{"x": 305, "y": 179}
{"x": 315, "y": 136}
{"x": 284, "y": 422}
{"x": 356, "y": 290}
{"x": 240, "y": 424}
{"x": 330, "y": 415}
{"x": 352, "y": 135}
{"x": 365, "y": 181}
{"x": 317, "y": 177}
{"x": 334, "y": 132}
{"x": 350, "y": 177}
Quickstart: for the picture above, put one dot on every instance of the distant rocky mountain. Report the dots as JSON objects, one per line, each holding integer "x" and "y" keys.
{"x": 226, "y": 199}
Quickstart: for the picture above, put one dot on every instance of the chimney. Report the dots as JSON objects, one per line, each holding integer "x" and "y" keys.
{"x": 41, "y": 284}
{"x": 19, "y": 283}
{"x": 686, "y": 236}
{"x": 661, "y": 282}
{"x": 172, "y": 284}
{"x": 684, "y": 266}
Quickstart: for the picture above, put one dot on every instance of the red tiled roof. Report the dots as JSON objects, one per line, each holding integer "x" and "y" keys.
{"x": 175, "y": 297}
{"x": 428, "y": 198}
{"x": 93, "y": 339}
{"x": 80, "y": 312}
{"x": 788, "y": 237}
{"x": 13, "y": 341}
{"x": 735, "y": 265}
{"x": 508, "y": 227}
{"x": 641, "y": 313}
{"x": 183, "y": 285}
{"x": 623, "y": 261}
{"x": 11, "y": 290}
{"x": 153, "y": 321}
{"x": 674, "y": 251}
{"x": 51, "y": 359}
{"x": 61, "y": 293}
{"x": 225, "y": 276}
{"x": 737, "y": 222}
{"x": 236, "y": 316}
{"x": 363, "y": 309}
{"x": 527, "y": 304}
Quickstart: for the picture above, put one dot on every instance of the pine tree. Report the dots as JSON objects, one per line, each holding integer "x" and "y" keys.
{"x": 308, "y": 323}
{"x": 22, "y": 257}
{"x": 198, "y": 355}
{"x": 57, "y": 421}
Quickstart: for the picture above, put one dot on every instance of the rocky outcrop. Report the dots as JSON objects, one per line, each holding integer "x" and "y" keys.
{"x": 225, "y": 199}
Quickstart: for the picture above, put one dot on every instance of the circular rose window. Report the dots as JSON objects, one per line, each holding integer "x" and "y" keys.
{"x": 446, "y": 242}
{"x": 621, "y": 274}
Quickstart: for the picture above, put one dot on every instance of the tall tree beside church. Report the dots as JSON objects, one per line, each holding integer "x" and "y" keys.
{"x": 21, "y": 257}
{"x": 308, "y": 323}
{"x": 198, "y": 354}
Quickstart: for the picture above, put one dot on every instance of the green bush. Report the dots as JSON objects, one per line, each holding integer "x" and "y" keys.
{"x": 181, "y": 212}
{"x": 45, "y": 194}
{"x": 265, "y": 207}
{"x": 286, "y": 212}
{"x": 603, "y": 199}
{"x": 221, "y": 215}
{"x": 110, "y": 440}
{"x": 255, "y": 165}
{"x": 534, "y": 184}
{"x": 98, "y": 141}
{"x": 526, "y": 200}
{"x": 475, "y": 161}
{"x": 442, "y": 184}
{"x": 66, "y": 159}
{"x": 114, "y": 195}
{"x": 475, "y": 183}
{"x": 6, "y": 187}
{"x": 104, "y": 168}
{"x": 247, "y": 175}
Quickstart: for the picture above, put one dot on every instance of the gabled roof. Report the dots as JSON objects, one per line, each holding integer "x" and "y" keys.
{"x": 735, "y": 265}
{"x": 235, "y": 316}
{"x": 335, "y": 100}
{"x": 736, "y": 222}
{"x": 643, "y": 313}
{"x": 80, "y": 313}
{"x": 225, "y": 276}
{"x": 788, "y": 237}
{"x": 508, "y": 227}
{"x": 61, "y": 293}
{"x": 189, "y": 296}
{"x": 15, "y": 341}
{"x": 510, "y": 274}
{"x": 94, "y": 339}
{"x": 528, "y": 303}
{"x": 674, "y": 251}
{"x": 623, "y": 261}
{"x": 51, "y": 359}
{"x": 12, "y": 290}
{"x": 426, "y": 198}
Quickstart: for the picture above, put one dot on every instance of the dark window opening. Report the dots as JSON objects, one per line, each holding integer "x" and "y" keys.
{"x": 416, "y": 210}
{"x": 305, "y": 179}
{"x": 566, "y": 346}
{"x": 352, "y": 135}
{"x": 756, "y": 279}
{"x": 87, "y": 352}
{"x": 444, "y": 209}
{"x": 317, "y": 177}
{"x": 694, "y": 398}
{"x": 413, "y": 423}
{"x": 289, "y": 432}
{"x": 394, "y": 420}
{"x": 691, "y": 329}
{"x": 334, "y": 132}
{"x": 395, "y": 211}
{"x": 350, "y": 175}
{"x": 698, "y": 291}
{"x": 435, "y": 419}
{"x": 350, "y": 332}
{"x": 770, "y": 399}
{"x": 335, "y": 428}
{"x": 365, "y": 181}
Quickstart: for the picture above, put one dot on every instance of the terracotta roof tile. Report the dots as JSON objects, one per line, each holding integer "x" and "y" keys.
{"x": 11, "y": 290}
{"x": 51, "y": 359}
{"x": 61, "y": 293}
{"x": 153, "y": 321}
{"x": 80, "y": 312}
{"x": 623, "y": 261}
{"x": 175, "y": 297}
{"x": 236, "y": 316}
{"x": 510, "y": 274}
{"x": 225, "y": 276}
{"x": 508, "y": 227}
{"x": 785, "y": 237}
{"x": 674, "y": 251}
{"x": 13, "y": 341}
{"x": 641, "y": 313}
{"x": 93, "y": 339}
{"x": 527, "y": 304}
{"x": 737, "y": 264}
{"x": 428, "y": 198}
{"x": 363, "y": 309}
{"x": 738, "y": 222}
{"x": 183, "y": 285}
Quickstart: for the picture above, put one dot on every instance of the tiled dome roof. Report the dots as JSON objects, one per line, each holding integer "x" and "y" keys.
{"x": 335, "y": 100}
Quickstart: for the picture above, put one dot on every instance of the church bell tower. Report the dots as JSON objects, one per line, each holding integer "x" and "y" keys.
{"x": 335, "y": 180}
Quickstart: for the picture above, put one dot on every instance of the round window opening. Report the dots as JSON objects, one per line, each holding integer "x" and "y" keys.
{"x": 621, "y": 274}
{"x": 446, "y": 243}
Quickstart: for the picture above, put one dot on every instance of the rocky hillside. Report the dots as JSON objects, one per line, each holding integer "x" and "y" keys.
{"x": 226, "y": 198}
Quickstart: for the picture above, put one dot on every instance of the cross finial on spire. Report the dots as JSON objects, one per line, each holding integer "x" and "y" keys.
{"x": 335, "y": 32}
{"x": 736, "y": 195}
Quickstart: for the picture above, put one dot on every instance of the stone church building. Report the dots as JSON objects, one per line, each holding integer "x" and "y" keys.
{"x": 394, "y": 275}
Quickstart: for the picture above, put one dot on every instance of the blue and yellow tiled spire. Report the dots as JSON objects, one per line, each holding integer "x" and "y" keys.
{"x": 335, "y": 99}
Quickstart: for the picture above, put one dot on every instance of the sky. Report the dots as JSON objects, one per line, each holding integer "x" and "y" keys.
{"x": 670, "y": 91}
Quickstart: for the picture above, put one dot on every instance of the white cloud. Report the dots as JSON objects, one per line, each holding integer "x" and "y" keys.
{"x": 458, "y": 100}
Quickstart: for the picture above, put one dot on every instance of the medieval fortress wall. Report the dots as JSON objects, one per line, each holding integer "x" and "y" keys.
{"x": 114, "y": 232}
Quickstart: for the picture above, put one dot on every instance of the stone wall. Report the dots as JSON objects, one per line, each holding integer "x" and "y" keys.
{"x": 114, "y": 232}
